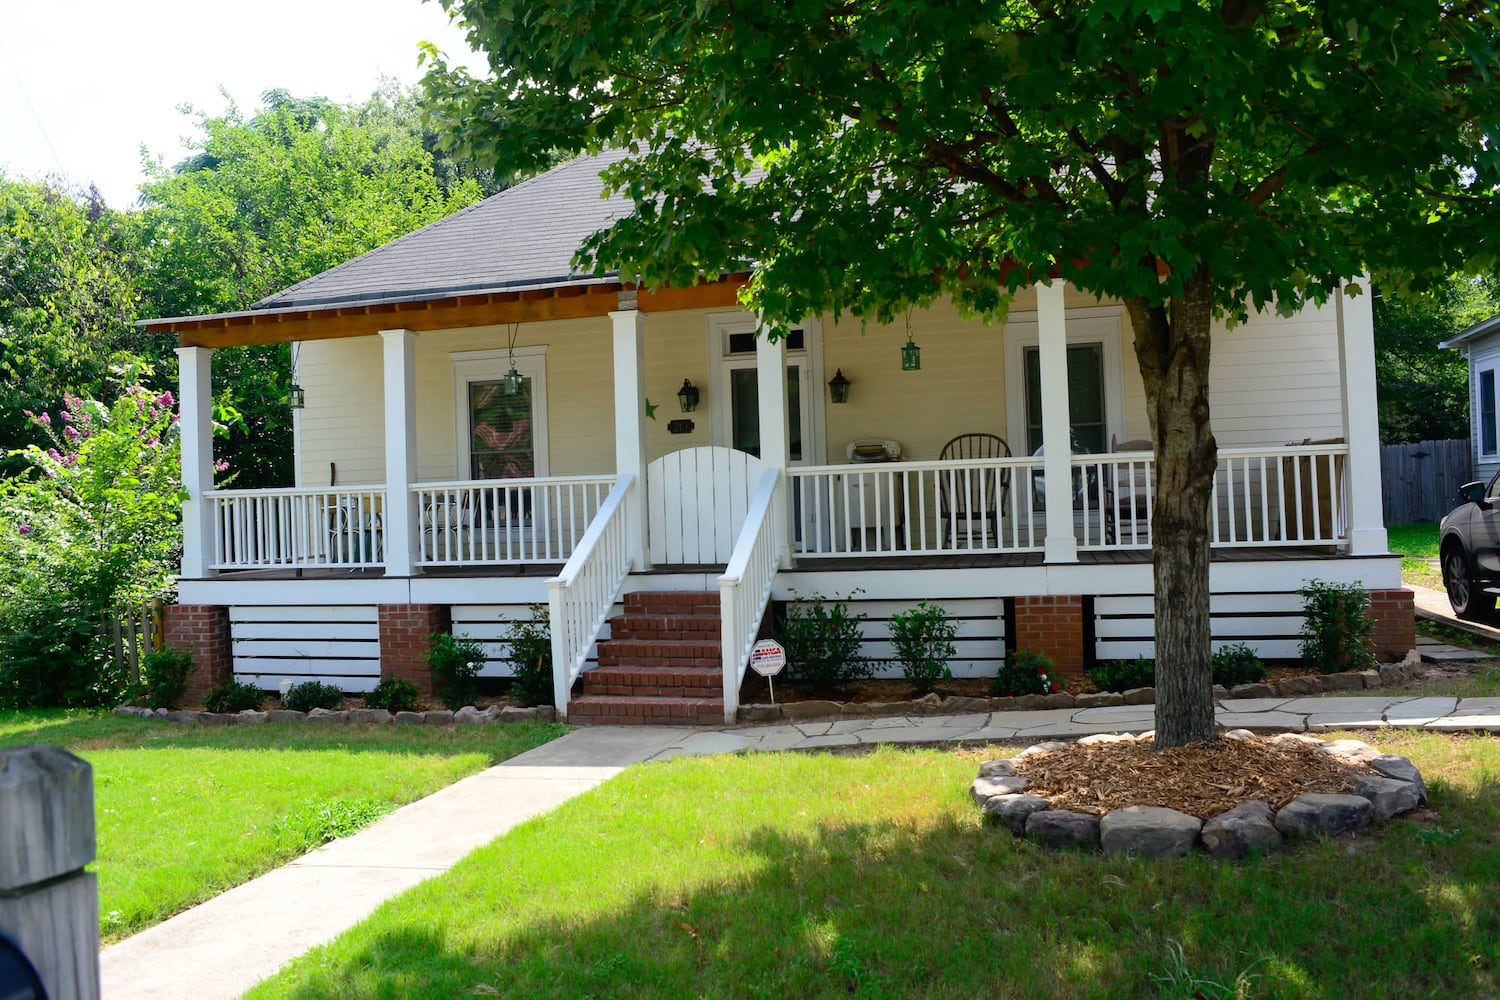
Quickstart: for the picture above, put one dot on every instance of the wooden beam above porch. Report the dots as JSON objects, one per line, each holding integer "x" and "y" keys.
{"x": 454, "y": 312}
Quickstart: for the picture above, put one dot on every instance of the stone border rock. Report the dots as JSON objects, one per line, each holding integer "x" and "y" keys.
{"x": 1249, "y": 828}
{"x": 1387, "y": 675}
{"x": 468, "y": 715}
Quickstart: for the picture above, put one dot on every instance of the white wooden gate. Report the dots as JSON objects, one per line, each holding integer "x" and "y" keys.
{"x": 696, "y": 502}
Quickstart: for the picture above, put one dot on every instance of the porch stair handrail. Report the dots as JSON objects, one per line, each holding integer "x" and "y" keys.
{"x": 581, "y": 596}
{"x": 745, "y": 587}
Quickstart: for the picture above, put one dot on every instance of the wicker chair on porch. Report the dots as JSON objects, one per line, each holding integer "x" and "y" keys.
{"x": 967, "y": 496}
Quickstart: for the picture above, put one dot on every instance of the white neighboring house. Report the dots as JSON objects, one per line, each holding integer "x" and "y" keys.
{"x": 1480, "y": 344}
{"x": 485, "y": 429}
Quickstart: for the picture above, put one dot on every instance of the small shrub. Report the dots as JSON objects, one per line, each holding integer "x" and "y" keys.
{"x": 164, "y": 675}
{"x": 822, "y": 641}
{"x": 1122, "y": 675}
{"x": 1337, "y": 630}
{"x": 394, "y": 695}
{"x": 923, "y": 638}
{"x": 530, "y": 657}
{"x": 233, "y": 696}
{"x": 1237, "y": 664}
{"x": 309, "y": 695}
{"x": 455, "y": 662}
{"x": 1025, "y": 672}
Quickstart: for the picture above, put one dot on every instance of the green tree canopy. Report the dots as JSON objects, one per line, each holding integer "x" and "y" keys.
{"x": 1424, "y": 389}
{"x": 272, "y": 198}
{"x": 68, "y": 276}
{"x": 1188, "y": 158}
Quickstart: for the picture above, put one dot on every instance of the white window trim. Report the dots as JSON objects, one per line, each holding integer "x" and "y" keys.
{"x": 1095, "y": 325}
{"x": 491, "y": 366}
{"x": 721, "y": 362}
{"x": 1479, "y": 374}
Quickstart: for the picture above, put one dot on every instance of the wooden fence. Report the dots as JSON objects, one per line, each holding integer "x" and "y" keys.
{"x": 134, "y": 632}
{"x": 1418, "y": 482}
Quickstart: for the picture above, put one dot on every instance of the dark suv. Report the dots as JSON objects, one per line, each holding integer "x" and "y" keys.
{"x": 1469, "y": 545}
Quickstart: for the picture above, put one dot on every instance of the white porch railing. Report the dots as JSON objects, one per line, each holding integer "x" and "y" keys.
{"x": 342, "y": 527}
{"x": 1262, "y": 497}
{"x": 581, "y": 596}
{"x": 498, "y": 521}
{"x": 916, "y": 508}
{"x": 745, "y": 587}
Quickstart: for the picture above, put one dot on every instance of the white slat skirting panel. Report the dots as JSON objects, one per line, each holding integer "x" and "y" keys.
{"x": 338, "y": 645}
{"x": 978, "y": 651}
{"x": 696, "y": 501}
{"x": 487, "y": 624}
{"x": 1269, "y": 623}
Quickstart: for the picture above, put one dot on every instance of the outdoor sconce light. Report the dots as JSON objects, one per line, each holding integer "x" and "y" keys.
{"x": 295, "y": 397}
{"x": 688, "y": 396}
{"x": 838, "y": 386}
{"x": 911, "y": 356}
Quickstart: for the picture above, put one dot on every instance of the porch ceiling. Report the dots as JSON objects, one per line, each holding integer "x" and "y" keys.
{"x": 453, "y": 312}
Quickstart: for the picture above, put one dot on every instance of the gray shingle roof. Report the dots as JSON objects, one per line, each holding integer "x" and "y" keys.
{"x": 523, "y": 237}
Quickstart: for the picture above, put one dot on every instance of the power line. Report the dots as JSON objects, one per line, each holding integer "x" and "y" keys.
{"x": 25, "y": 96}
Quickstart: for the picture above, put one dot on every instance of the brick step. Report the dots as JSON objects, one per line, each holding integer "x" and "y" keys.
{"x": 661, "y": 682}
{"x": 671, "y": 602}
{"x": 660, "y": 653}
{"x": 627, "y": 710}
{"x": 665, "y": 627}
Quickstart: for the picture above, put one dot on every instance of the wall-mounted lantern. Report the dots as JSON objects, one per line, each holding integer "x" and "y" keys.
{"x": 688, "y": 396}
{"x": 838, "y": 387}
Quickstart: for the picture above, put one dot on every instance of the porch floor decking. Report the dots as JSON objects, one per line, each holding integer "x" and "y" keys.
{"x": 833, "y": 564}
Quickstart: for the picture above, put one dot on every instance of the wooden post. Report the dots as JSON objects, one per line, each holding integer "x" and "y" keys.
{"x": 49, "y": 906}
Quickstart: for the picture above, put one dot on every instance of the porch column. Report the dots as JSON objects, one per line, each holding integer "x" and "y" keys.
{"x": 400, "y": 521}
{"x": 195, "y": 424}
{"x": 1356, "y": 323}
{"x": 630, "y": 422}
{"x": 775, "y": 452}
{"x": 1061, "y": 544}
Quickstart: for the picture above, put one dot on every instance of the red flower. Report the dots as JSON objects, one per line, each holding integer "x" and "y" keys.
{"x": 1056, "y": 688}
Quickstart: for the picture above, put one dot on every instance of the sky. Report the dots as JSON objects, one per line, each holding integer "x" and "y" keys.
{"x": 85, "y": 83}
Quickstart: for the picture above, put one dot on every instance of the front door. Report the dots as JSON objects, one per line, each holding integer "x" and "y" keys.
{"x": 743, "y": 383}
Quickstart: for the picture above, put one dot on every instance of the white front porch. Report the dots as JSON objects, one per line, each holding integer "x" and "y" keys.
{"x": 1007, "y": 526}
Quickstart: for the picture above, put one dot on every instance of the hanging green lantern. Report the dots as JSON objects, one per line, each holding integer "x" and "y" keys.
{"x": 911, "y": 356}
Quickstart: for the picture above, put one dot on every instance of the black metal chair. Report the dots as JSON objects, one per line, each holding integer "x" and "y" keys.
{"x": 969, "y": 495}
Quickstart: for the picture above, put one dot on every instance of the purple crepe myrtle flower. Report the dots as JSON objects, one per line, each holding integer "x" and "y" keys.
{"x": 165, "y": 399}
{"x": 73, "y": 433}
{"x": 54, "y": 454}
{"x": 222, "y": 465}
{"x": 25, "y": 529}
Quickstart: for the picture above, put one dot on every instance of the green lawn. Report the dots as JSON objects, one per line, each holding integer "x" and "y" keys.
{"x": 787, "y": 875}
{"x": 184, "y": 813}
{"x": 1417, "y": 544}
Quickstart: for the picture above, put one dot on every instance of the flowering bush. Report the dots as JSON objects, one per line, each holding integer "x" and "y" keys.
{"x": 1025, "y": 672}
{"x": 91, "y": 527}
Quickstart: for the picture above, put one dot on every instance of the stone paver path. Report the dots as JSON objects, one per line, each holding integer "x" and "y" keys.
{"x": 1266, "y": 715}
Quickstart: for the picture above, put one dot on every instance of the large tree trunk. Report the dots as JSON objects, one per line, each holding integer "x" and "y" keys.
{"x": 1172, "y": 346}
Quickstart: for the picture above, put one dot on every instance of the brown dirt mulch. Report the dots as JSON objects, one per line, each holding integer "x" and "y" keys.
{"x": 753, "y": 691}
{"x": 1203, "y": 780}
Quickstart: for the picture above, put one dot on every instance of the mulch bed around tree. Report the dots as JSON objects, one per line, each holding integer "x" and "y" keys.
{"x": 1203, "y": 779}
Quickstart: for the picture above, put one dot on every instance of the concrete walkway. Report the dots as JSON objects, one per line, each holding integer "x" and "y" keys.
{"x": 222, "y": 947}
